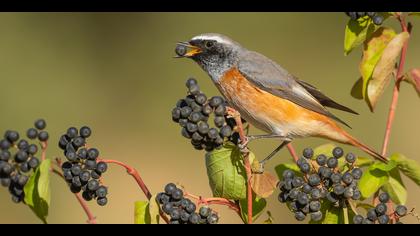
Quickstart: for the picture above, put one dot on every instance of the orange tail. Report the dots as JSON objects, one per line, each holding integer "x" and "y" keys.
{"x": 365, "y": 148}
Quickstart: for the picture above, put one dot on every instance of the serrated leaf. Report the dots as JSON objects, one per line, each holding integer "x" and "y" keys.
{"x": 287, "y": 166}
{"x": 258, "y": 206}
{"x": 384, "y": 167}
{"x": 372, "y": 51}
{"x": 357, "y": 89}
{"x": 395, "y": 188}
{"x": 371, "y": 181}
{"x": 226, "y": 172}
{"x": 408, "y": 167}
{"x": 38, "y": 192}
{"x": 141, "y": 212}
{"x": 356, "y": 33}
{"x": 263, "y": 184}
{"x": 384, "y": 68}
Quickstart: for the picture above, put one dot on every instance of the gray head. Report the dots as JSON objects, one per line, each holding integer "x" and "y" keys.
{"x": 215, "y": 53}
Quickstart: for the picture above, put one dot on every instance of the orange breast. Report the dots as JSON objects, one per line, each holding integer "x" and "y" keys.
{"x": 269, "y": 112}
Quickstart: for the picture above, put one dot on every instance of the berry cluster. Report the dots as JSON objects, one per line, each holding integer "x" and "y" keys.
{"x": 380, "y": 213}
{"x": 377, "y": 19}
{"x": 182, "y": 210}
{"x": 192, "y": 114}
{"x": 321, "y": 180}
{"x": 17, "y": 158}
{"x": 82, "y": 170}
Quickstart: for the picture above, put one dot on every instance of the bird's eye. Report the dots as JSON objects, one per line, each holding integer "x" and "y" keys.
{"x": 209, "y": 44}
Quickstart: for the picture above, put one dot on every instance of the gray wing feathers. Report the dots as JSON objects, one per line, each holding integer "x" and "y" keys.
{"x": 271, "y": 78}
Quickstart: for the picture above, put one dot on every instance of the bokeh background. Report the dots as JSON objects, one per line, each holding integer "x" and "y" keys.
{"x": 115, "y": 73}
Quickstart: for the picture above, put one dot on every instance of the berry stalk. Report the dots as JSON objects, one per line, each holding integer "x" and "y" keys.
{"x": 135, "y": 174}
{"x": 91, "y": 217}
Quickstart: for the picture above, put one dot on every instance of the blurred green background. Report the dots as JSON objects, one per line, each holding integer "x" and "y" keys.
{"x": 115, "y": 73}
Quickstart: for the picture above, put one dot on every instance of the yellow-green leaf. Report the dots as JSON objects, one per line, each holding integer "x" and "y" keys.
{"x": 408, "y": 167}
{"x": 357, "y": 89}
{"x": 384, "y": 68}
{"x": 258, "y": 206}
{"x": 396, "y": 188}
{"x": 226, "y": 172}
{"x": 333, "y": 215}
{"x": 356, "y": 33}
{"x": 371, "y": 181}
{"x": 372, "y": 52}
{"x": 38, "y": 191}
{"x": 141, "y": 212}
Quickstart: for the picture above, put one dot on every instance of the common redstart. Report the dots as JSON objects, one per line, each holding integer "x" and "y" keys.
{"x": 266, "y": 95}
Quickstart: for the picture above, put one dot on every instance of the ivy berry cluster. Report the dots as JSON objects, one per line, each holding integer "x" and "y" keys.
{"x": 17, "y": 158}
{"x": 182, "y": 210}
{"x": 193, "y": 112}
{"x": 82, "y": 170}
{"x": 377, "y": 19}
{"x": 319, "y": 179}
{"x": 380, "y": 213}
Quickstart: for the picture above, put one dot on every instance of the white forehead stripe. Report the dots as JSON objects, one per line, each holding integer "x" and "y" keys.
{"x": 212, "y": 37}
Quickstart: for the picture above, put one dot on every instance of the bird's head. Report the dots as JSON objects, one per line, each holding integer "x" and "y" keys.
{"x": 215, "y": 53}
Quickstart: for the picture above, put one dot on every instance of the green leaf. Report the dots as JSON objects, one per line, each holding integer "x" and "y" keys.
{"x": 371, "y": 181}
{"x": 357, "y": 89}
{"x": 383, "y": 70}
{"x": 333, "y": 215}
{"x": 258, "y": 206}
{"x": 364, "y": 161}
{"x": 372, "y": 53}
{"x": 287, "y": 166}
{"x": 395, "y": 188}
{"x": 141, "y": 212}
{"x": 226, "y": 172}
{"x": 356, "y": 33}
{"x": 384, "y": 167}
{"x": 365, "y": 206}
{"x": 38, "y": 192}
{"x": 408, "y": 167}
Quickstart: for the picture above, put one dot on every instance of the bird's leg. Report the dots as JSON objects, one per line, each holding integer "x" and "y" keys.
{"x": 272, "y": 154}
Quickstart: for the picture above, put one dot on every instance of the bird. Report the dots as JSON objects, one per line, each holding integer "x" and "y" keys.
{"x": 266, "y": 95}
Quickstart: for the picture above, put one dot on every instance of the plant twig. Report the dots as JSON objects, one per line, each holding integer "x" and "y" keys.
{"x": 82, "y": 202}
{"x": 346, "y": 215}
{"x": 214, "y": 201}
{"x": 44, "y": 146}
{"x": 135, "y": 174}
{"x": 396, "y": 90}
{"x": 292, "y": 152}
{"x": 247, "y": 164}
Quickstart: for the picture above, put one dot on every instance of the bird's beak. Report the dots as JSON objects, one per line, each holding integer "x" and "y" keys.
{"x": 185, "y": 49}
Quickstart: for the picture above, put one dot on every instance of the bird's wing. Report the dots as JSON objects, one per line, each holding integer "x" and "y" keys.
{"x": 323, "y": 99}
{"x": 270, "y": 77}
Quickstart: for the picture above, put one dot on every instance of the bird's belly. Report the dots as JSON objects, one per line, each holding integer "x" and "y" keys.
{"x": 268, "y": 112}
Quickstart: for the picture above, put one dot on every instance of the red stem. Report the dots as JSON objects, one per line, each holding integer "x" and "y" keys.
{"x": 215, "y": 201}
{"x": 247, "y": 164}
{"x": 135, "y": 174}
{"x": 82, "y": 202}
{"x": 292, "y": 152}
{"x": 396, "y": 91}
